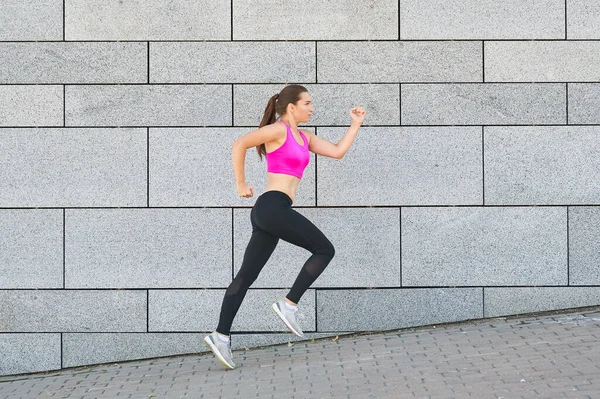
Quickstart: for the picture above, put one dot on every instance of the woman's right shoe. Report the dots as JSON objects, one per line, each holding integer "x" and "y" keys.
{"x": 222, "y": 350}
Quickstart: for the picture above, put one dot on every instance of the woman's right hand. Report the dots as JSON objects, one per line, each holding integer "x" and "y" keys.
{"x": 245, "y": 190}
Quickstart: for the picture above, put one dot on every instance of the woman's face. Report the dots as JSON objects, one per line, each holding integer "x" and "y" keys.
{"x": 303, "y": 109}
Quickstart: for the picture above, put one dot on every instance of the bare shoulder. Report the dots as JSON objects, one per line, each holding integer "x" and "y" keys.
{"x": 265, "y": 134}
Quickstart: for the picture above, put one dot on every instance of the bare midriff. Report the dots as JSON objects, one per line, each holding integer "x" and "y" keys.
{"x": 284, "y": 183}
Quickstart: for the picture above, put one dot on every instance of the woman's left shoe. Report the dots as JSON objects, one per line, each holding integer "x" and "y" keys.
{"x": 288, "y": 316}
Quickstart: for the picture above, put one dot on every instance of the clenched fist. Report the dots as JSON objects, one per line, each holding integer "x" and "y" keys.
{"x": 244, "y": 190}
{"x": 358, "y": 114}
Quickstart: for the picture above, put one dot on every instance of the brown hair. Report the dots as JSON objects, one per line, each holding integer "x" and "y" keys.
{"x": 277, "y": 105}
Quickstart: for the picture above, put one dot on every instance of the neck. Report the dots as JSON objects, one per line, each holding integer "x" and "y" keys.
{"x": 290, "y": 122}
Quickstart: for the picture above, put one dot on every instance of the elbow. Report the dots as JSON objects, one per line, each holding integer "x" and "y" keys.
{"x": 238, "y": 145}
{"x": 340, "y": 155}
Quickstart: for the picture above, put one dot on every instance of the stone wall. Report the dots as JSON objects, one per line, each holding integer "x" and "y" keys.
{"x": 472, "y": 190}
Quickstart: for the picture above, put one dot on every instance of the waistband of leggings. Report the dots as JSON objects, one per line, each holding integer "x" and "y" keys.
{"x": 276, "y": 194}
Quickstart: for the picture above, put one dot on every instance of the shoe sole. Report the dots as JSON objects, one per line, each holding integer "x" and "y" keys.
{"x": 274, "y": 306}
{"x": 217, "y": 354}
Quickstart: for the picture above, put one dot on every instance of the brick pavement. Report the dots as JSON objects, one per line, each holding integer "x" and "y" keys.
{"x": 552, "y": 355}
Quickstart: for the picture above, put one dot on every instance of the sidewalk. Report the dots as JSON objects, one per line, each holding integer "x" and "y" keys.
{"x": 551, "y": 355}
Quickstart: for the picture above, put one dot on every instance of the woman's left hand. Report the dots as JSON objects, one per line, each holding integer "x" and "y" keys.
{"x": 358, "y": 114}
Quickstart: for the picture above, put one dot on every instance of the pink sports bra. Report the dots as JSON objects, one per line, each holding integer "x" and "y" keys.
{"x": 291, "y": 158}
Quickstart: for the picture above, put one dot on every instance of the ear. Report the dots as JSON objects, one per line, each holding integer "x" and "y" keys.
{"x": 290, "y": 108}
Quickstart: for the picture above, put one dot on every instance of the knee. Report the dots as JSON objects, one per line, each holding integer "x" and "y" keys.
{"x": 327, "y": 249}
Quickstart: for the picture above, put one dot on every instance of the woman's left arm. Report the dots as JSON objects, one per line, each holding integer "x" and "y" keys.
{"x": 326, "y": 148}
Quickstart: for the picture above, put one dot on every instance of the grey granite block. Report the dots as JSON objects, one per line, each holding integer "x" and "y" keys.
{"x": 29, "y": 353}
{"x": 427, "y": 165}
{"x": 542, "y": 61}
{"x": 142, "y": 248}
{"x": 366, "y": 242}
{"x": 542, "y": 165}
{"x": 387, "y": 309}
{"x": 32, "y": 248}
{"x": 483, "y": 104}
{"x": 248, "y": 341}
{"x": 484, "y": 246}
{"x": 74, "y": 63}
{"x": 482, "y": 19}
{"x": 91, "y": 348}
{"x": 584, "y": 245}
{"x": 147, "y": 20}
{"x": 184, "y": 310}
{"x": 198, "y": 310}
{"x": 155, "y": 105}
{"x": 72, "y": 311}
{"x": 73, "y": 167}
{"x": 192, "y": 167}
{"x": 583, "y": 19}
{"x": 236, "y": 62}
{"x": 510, "y": 301}
{"x": 315, "y": 20}
{"x": 400, "y": 62}
{"x": 22, "y": 20}
{"x": 332, "y": 103}
{"x": 584, "y": 107}
{"x": 31, "y": 105}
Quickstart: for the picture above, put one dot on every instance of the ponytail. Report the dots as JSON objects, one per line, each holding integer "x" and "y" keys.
{"x": 268, "y": 118}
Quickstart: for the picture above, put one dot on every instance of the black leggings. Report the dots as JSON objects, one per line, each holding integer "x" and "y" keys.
{"x": 273, "y": 218}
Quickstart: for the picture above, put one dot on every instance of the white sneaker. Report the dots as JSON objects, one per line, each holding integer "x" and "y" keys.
{"x": 288, "y": 316}
{"x": 221, "y": 349}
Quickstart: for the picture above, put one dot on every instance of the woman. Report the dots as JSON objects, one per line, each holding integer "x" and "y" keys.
{"x": 286, "y": 149}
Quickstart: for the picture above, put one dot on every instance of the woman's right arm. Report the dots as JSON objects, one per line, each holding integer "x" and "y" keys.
{"x": 241, "y": 145}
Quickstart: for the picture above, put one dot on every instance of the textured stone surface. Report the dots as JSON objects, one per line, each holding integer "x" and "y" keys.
{"x": 484, "y": 246}
{"x": 31, "y": 20}
{"x": 482, "y": 19}
{"x": 131, "y": 105}
{"x": 31, "y": 105}
{"x": 32, "y": 248}
{"x": 140, "y": 248}
{"x": 73, "y": 167}
{"x": 332, "y": 103}
{"x": 147, "y": 20}
{"x": 366, "y": 242}
{"x": 515, "y": 300}
{"x": 192, "y": 167}
{"x": 399, "y": 62}
{"x": 73, "y": 311}
{"x": 542, "y": 165}
{"x": 542, "y": 61}
{"x": 583, "y": 20}
{"x": 198, "y": 310}
{"x": 584, "y": 245}
{"x": 550, "y": 355}
{"x": 184, "y": 310}
{"x": 315, "y": 20}
{"x": 483, "y": 104}
{"x": 91, "y": 348}
{"x": 364, "y": 310}
{"x": 74, "y": 63}
{"x": 426, "y": 165}
{"x": 247, "y": 341}
{"x": 28, "y": 353}
{"x": 584, "y": 107}
{"x": 236, "y": 62}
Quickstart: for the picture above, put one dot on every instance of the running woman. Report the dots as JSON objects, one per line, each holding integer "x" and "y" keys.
{"x": 286, "y": 149}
